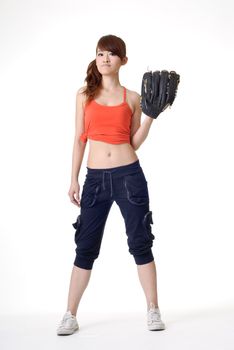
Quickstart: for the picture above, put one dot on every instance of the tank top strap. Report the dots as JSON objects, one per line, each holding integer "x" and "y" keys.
{"x": 124, "y": 94}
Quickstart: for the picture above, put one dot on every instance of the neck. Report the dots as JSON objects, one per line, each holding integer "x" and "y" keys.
{"x": 110, "y": 83}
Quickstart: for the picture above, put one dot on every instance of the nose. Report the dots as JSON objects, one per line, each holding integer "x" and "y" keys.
{"x": 106, "y": 58}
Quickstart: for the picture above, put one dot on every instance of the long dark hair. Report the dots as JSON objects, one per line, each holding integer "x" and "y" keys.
{"x": 93, "y": 79}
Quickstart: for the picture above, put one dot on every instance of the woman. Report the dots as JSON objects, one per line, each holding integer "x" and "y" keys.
{"x": 109, "y": 116}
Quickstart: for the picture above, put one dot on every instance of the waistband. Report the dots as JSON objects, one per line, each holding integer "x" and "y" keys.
{"x": 119, "y": 170}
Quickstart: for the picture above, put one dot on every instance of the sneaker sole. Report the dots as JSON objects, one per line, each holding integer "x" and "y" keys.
{"x": 156, "y": 327}
{"x": 67, "y": 331}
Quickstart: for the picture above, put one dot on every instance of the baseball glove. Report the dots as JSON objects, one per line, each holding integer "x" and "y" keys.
{"x": 158, "y": 91}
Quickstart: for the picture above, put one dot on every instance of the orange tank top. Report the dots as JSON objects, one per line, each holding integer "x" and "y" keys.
{"x": 110, "y": 124}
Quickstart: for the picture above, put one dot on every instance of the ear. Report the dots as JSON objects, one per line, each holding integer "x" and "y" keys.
{"x": 124, "y": 60}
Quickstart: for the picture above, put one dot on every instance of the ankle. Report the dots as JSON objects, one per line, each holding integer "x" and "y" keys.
{"x": 73, "y": 312}
{"x": 152, "y": 304}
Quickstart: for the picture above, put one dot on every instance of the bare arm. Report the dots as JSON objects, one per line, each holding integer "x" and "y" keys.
{"x": 139, "y": 131}
{"x": 77, "y": 158}
{"x": 78, "y": 150}
{"x": 78, "y": 145}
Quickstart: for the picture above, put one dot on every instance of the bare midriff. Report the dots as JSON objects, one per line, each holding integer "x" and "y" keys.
{"x": 106, "y": 155}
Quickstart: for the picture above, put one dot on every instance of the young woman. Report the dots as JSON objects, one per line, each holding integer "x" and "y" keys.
{"x": 109, "y": 116}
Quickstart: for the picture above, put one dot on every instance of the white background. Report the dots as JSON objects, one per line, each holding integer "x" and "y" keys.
{"x": 187, "y": 158}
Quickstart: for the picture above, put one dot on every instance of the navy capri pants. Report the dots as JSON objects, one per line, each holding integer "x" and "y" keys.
{"x": 127, "y": 186}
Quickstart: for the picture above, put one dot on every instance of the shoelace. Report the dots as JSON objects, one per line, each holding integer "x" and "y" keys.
{"x": 154, "y": 315}
{"x": 65, "y": 317}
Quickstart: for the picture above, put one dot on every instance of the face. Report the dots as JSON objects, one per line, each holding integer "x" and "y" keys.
{"x": 108, "y": 63}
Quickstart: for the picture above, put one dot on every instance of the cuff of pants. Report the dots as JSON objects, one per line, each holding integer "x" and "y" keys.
{"x": 83, "y": 263}
{"x": 144, "y": 258}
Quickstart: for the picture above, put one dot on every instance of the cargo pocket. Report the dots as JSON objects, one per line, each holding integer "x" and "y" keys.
{"x": 136, "y": 188}
{"x": 148, "y": 221}
{"x": 76, "y": 225}
{"x": 90, "y": 192}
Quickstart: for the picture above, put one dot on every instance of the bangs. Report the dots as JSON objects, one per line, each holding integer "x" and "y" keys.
{"x": 110, "y": 43}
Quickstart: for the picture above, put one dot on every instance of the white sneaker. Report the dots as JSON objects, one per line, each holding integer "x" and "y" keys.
{"x": 154, "y": 321}
{"x": 68, "y": 324}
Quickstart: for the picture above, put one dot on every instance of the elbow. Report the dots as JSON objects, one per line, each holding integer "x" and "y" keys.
{"x": 80, "y": 139}
{"x": 135, "y": 147}
{"x": 82, "y": 143}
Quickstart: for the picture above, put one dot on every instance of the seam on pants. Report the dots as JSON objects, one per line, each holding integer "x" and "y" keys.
{"x": 103, "y": 180}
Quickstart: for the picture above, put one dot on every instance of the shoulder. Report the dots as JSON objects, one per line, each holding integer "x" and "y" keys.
{"x": 81, "y": 90}
{"x": 80, "y": 95}
{"x": 133, "y": 95}
{"x": 134, "y": 98}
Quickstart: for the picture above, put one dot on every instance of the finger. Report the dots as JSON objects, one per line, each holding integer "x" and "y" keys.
{"x": 75, "y": 203}
{"x": 163, "y": 86}
{"x": 143, "y": 93}
{"x": 173, "y": 86}
{"x": 77, "y": 197}
{"x": 141, "y": 101}
{"x": 146, "y": 88}
{"x": 155, "y": 86}
{"x": 73, "y": 199}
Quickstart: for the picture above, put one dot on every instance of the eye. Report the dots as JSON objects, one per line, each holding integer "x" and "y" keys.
{"x": 110, "y": 53}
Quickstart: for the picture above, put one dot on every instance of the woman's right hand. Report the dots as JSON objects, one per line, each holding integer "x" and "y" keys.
{"x": 74, "y": 193}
